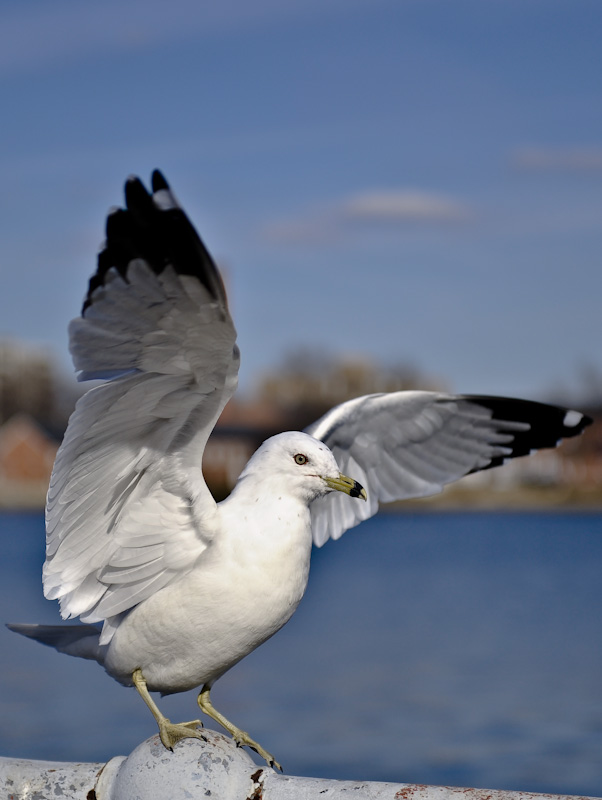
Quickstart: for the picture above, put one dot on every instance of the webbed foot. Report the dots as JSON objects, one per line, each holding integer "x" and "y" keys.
{"x": 171, "y": 733}
{"x": 241, "y": 738}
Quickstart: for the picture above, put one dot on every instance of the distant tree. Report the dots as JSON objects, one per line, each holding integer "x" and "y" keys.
{"x": 310, "y": 382}
{"x": 31, "y": 384}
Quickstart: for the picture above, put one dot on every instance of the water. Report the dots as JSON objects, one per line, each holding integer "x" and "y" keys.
{"x": 461, "y": 649}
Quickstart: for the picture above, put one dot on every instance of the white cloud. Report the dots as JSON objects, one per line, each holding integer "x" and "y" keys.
{"x": 578, "y": 159}
{"x": 37, "y": 34}
{"x": 403, "y": 205}
{"x": 391, "y": 207}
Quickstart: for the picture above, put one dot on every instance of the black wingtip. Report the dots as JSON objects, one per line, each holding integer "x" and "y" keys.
{"x": 574, "y": 422}
{"x": 156, "y": 230}
{"x": 547, "y": 424}
{"x": 566, "y": 420}
{"x": 158, "y": 181}
{"x": 136, "y": 196}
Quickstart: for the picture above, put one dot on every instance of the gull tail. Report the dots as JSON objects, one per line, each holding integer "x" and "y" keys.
{"x": 74, "y": 640}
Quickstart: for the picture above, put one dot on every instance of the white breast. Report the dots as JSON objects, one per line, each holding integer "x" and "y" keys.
{"x": 244, "y": 589}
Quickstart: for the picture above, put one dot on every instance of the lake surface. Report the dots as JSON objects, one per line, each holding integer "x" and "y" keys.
{"x": 438, "y": 648}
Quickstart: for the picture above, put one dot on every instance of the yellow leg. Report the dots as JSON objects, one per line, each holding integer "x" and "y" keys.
{"x": 169, "y": 732}
{"x": 240, "y": 737}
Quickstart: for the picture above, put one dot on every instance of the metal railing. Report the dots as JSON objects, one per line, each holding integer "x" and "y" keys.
{"x": 214, "y": 769}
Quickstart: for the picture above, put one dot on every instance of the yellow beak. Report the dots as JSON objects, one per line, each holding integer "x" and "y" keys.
{"x": 347, "y": 485}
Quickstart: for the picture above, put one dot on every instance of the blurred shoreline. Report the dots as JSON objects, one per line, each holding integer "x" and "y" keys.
{"x": 453, "y": 498}
{"x": 459, "y": 498}
{"x": 36, "y": 400}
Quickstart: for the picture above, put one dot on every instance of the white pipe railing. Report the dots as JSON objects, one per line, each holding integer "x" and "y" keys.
{"x": 214, "y": 769}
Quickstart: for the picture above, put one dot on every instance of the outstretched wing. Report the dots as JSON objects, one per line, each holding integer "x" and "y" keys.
{"x": 410, "y": 444}
{"x": 128, "y": 509}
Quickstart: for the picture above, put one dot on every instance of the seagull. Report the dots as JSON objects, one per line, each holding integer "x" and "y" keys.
{"x": 173, "y": 588}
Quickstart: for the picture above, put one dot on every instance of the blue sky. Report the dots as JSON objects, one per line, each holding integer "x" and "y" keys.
{"x": 411, "y": 181}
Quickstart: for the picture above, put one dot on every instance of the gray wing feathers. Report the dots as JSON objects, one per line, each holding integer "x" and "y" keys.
{"x": 410, "y": 444}
{"x": 128, "y": 509}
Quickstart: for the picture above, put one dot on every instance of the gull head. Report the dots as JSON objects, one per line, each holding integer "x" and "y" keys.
{"x": 297, "y": 464}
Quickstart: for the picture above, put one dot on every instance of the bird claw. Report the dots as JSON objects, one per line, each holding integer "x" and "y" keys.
{"x": 195, "y": 723}
{"x": 243, "y": 739}
{"x": 171, "y": 733}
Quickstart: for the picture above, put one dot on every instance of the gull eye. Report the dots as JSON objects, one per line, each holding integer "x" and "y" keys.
{"x": 300, "y": 459}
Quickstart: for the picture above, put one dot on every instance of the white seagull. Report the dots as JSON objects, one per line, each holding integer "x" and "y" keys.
{"x": 186, "y": 587}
